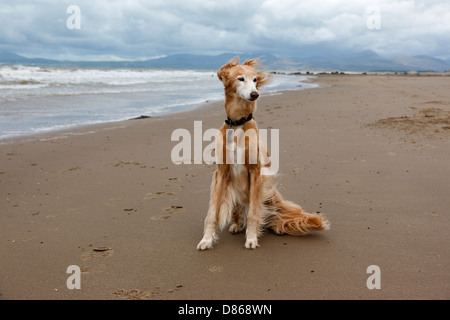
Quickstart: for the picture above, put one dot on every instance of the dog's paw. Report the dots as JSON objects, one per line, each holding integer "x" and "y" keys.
{"x": 235, "y": 228}
{"x": 251, "y": 243}
{"x": 326, "y": 225}
{"x": 205, "y": 244}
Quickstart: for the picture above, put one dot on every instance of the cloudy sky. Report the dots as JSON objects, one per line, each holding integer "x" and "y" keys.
{"x": 142, "y": 29}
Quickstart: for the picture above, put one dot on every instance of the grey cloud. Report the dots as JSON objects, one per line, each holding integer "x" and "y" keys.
{"x": 137, "y": 29}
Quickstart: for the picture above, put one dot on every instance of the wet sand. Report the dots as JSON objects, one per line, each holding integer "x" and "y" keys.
{"x": 370, "y": 152}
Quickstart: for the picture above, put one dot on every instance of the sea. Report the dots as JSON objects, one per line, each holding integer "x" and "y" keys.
{"x": 40, "y": 99}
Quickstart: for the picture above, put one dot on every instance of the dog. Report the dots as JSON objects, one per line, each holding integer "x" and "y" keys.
{"x": 244, "y": 193}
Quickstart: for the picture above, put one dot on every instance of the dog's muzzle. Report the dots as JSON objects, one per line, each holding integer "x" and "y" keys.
{"x": 254, "y": 95}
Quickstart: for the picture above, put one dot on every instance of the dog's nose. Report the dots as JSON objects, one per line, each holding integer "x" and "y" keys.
{"x": 254, "y": 95}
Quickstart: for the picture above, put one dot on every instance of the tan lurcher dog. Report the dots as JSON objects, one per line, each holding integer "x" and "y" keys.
{"x": 243, "y": 191}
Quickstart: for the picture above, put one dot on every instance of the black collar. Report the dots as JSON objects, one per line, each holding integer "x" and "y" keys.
{"x": 239, "y": 122}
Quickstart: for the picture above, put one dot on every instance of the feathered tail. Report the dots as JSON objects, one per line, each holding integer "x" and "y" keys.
{"x": 289, "y": 218}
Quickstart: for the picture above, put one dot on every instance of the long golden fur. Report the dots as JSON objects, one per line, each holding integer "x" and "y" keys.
{"x": 241, "y": 192}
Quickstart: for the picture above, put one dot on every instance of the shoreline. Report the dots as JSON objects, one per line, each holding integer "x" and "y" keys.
{"x": 27, "y": 111}
{"x": 110, "y": 125}
{"x": 311, "y": 76}
{"x": 369, "y": 152}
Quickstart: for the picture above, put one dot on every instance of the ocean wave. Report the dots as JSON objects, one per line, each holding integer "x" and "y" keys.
{"x": 19, "y": 81}
{"x": 39, "y": 99}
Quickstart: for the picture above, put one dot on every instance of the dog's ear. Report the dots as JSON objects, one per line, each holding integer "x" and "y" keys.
{"x": 262, "y": 77}
{"x": 255, "y": 63}
{"x": 223, "y": 71}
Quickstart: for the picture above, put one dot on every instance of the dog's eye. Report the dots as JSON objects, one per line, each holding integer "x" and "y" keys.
{"x": 241, "y": 79}
{"x": 254, "y": 80}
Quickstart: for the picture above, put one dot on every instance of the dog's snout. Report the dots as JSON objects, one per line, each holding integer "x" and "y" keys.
{"x": 254, "y": 95}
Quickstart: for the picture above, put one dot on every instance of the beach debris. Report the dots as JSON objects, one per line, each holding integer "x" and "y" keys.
{"x": 215, "y": 268}
{"x": 97, "y": 252}
{"x": 101, "y": 249}
{"x": 141, "y": 117}
{"x": 71, "y": 169}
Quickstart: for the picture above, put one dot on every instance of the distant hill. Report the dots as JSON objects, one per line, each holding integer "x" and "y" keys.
{"x": 422, "y": 63}
{"x": 189, "y": 61}
{"x": 371, "y": 61}
{"x": 366, "y": 60}
{"x": 360, "y": 61}
{"x": 9, "y": 56}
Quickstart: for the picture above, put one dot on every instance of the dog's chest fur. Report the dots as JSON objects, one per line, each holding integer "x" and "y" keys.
{"x": 238, "y": 172}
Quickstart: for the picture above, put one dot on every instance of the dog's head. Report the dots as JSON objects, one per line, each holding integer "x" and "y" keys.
{"x": 244, "y": 80}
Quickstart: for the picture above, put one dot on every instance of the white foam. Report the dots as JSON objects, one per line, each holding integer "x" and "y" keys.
{"x": 42, "y": 99}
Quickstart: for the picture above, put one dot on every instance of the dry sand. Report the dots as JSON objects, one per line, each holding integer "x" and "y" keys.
{"x": 370, "y": 152}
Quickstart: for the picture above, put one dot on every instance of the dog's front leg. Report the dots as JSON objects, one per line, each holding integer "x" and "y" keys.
{"x": 217, "y": 189}
{"x": 255, "y": 209}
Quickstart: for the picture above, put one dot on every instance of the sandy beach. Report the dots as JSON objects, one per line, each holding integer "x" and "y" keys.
{"x": 370, "y": 152}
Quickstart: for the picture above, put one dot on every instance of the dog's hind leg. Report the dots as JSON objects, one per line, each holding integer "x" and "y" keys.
{"x": 238, "y": 219}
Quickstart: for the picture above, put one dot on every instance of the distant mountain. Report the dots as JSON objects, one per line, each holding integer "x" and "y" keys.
{"x": 13, "y": 58}
{"x": 365, "y": 60}
{"x": 9, "y": 56}
{"x": 370, "y": 61}
{"x": 360, "y": 61}
{"x": 422, "y": 63}
{"x": 189, "y": 61}
{"x": 177, "y": 61}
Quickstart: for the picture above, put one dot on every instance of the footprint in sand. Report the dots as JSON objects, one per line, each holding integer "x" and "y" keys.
{"x": 112, "y": 201}
{"x": 123, "y": 163}
{"x": 136, "y": 294}
{"x": 160, "y": 218}
{"x": 154, "y": 195}
{"x": 170, "y": 210}
{"x": 174, "y": 209}
{"x": 88, "y": 269}
{"x": 93, "y": 257}
{"x": 172, "y": 180}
